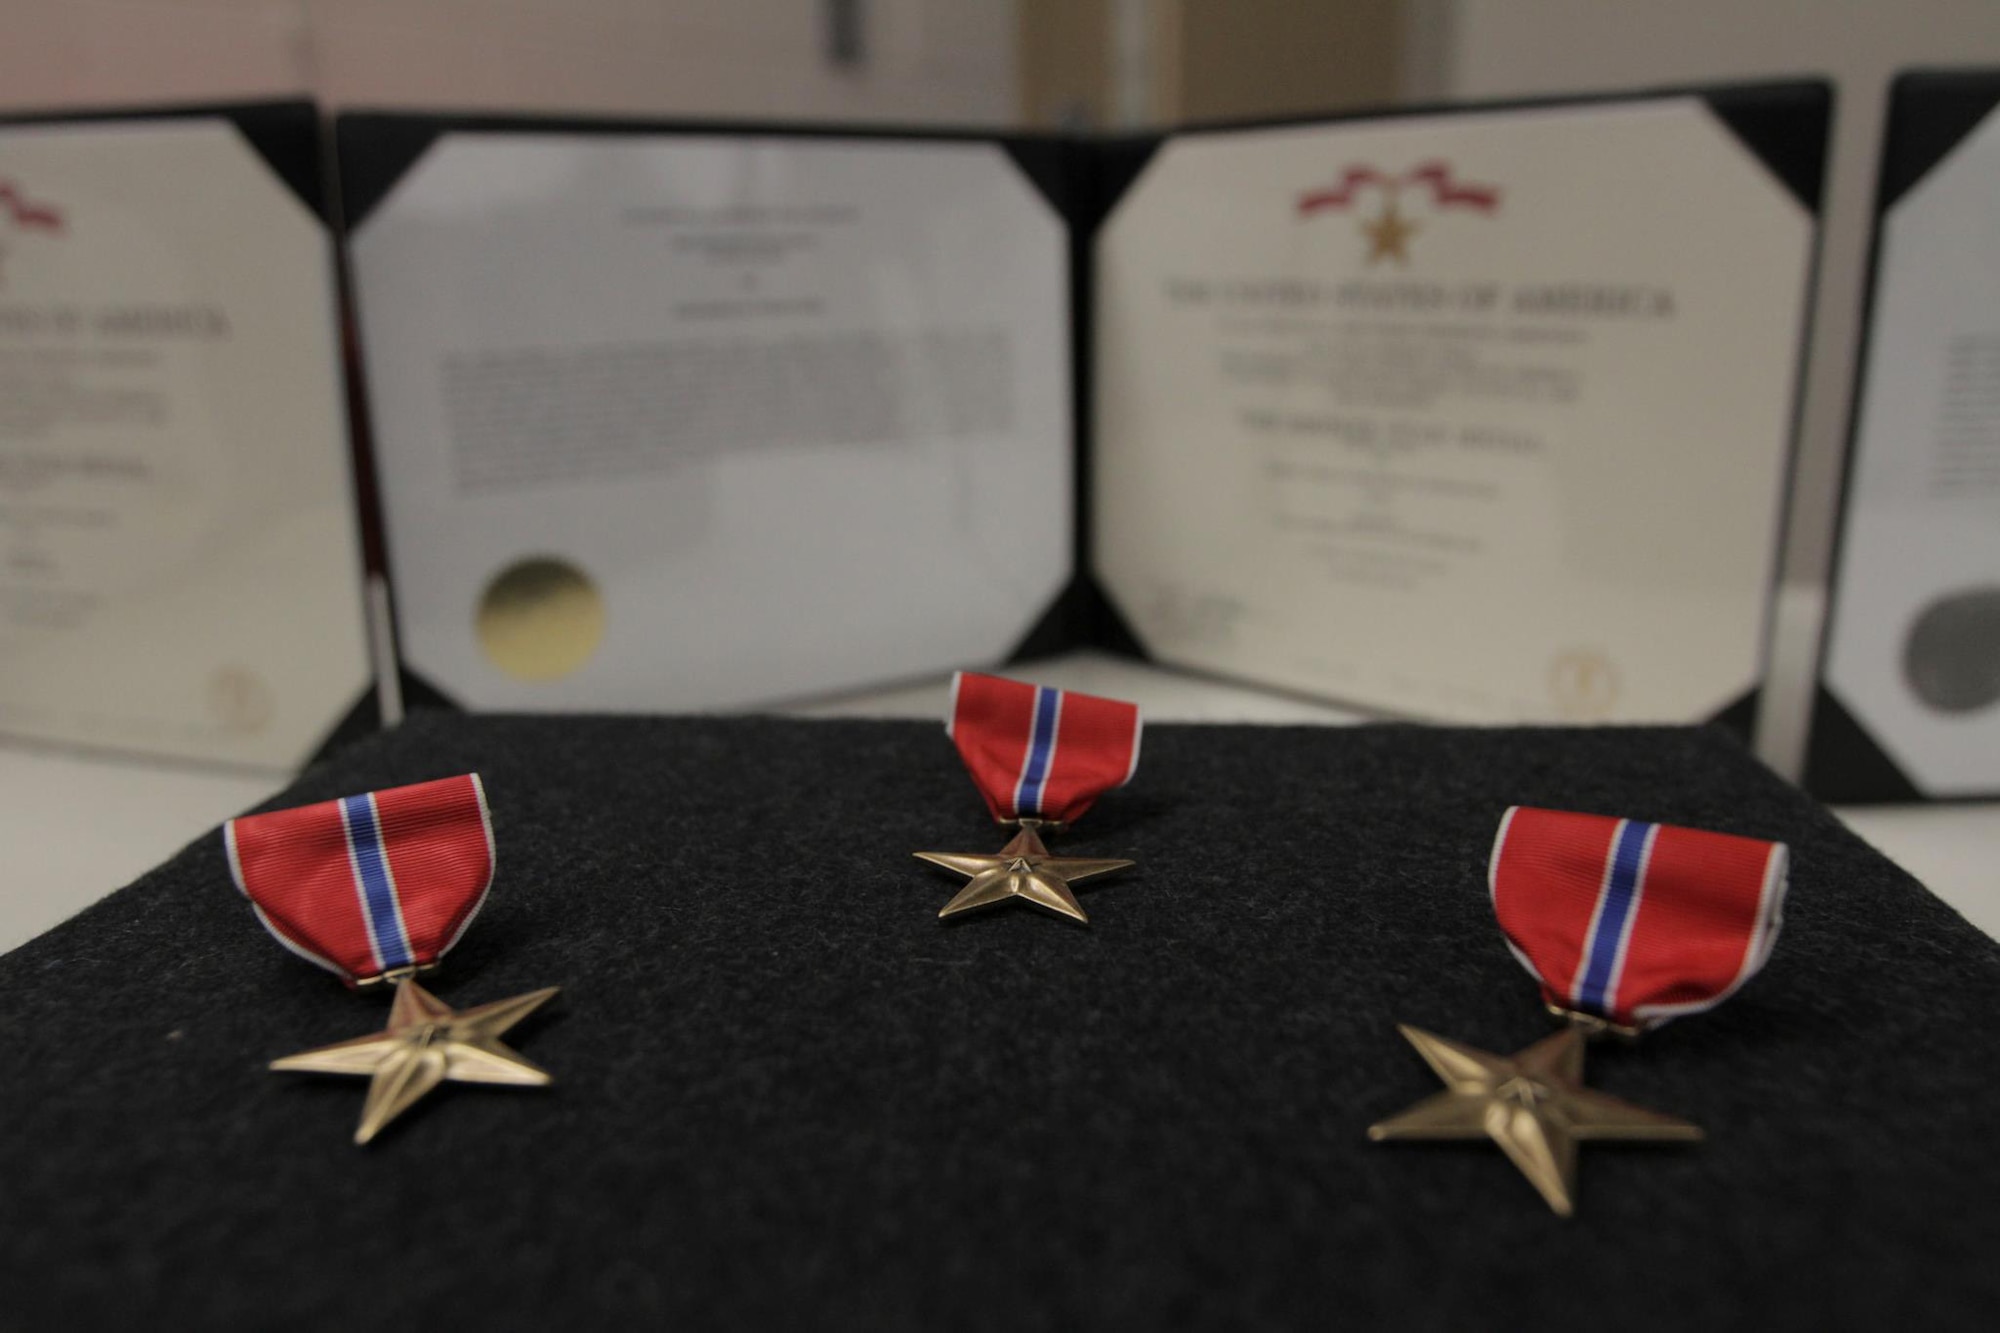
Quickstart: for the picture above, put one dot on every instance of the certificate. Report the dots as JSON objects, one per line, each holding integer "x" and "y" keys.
{"x": 180, "y": 571}
{"x": 1909, "y": 704}
{"x": 1480, "y": 416}
{"x": 679, "y": 420}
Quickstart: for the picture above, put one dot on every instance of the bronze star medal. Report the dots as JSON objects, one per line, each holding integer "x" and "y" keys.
{"x": 1626, "y": 925}
{"x": 1532, "y": 1103}
{"x": 1023, "y": 870}
{"x": 427, "y": 1043}
{"x": 377, "y": 888}
{"x": 1040, "y": 757}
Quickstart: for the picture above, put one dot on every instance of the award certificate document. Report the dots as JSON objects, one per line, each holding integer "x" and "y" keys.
{"x": 180, "y": 571}
{"x": 671, "y": 421}
{"x": 1480, "y": 417}
{"x": 1913, "y": 648}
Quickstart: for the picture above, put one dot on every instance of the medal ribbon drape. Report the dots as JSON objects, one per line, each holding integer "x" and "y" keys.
{"x": 369, "y": 884}
{"x": 1036, "y": 752}
{"x": 1633, "y": 922}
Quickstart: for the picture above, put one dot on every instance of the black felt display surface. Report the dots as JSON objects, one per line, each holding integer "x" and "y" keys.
{"x": 788, "y": 1097}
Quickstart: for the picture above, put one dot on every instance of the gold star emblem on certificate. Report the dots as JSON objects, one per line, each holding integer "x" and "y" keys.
{"x": 1389, "y": 236}
{"x": 427, "y": 1043}
{"x": 1023, "y": 870}
{"x": 1532, "y": 1103}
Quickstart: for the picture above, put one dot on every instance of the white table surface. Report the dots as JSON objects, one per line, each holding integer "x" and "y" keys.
{"x": 77, "y": 827}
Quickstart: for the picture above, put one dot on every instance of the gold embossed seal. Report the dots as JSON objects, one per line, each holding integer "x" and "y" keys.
{"x": 540, "y": 619}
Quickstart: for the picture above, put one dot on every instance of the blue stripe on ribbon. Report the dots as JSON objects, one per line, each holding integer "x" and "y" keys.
{"x": 1041, "y": 748}
{"x": 1620, "y": 891}
{"x": 378, "y": 894}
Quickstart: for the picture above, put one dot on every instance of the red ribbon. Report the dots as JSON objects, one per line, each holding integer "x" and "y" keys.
{"x": 1633, "y": 922}
{"x": 369, "y": 884}
{"x": 1036, "y": 752}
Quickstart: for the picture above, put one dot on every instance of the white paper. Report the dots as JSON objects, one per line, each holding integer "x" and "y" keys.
{"x": 1512, "y": 451}
{"x": 179, "y": 567}
{"x": 796, "y": 413}
{"x": 1914, "y": 647}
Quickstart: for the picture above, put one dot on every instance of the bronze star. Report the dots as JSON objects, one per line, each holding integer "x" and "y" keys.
{"x": 425, "y": 1044}
{"x": 1022, "y": 869}
{"x": 1389, "y": 236}
{"x": 1532, "y": 1103}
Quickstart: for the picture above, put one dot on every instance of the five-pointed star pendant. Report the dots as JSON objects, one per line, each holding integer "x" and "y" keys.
{"x": 1389, "y": 236}
{"x": 1532, "y": 1103}
{"x": 425, "y": 1044}
{"x": 1022, "y": 869}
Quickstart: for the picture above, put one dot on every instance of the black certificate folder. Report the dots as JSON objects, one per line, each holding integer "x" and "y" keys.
{"x": 1908, "y": 704}
{"x": 676, "y": 417}
{"x": 673, "y": 416}
{"x": 180, "y": 566}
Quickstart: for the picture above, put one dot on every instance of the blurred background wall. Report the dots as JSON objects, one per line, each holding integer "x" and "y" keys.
{"x": 905, "y": 60}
